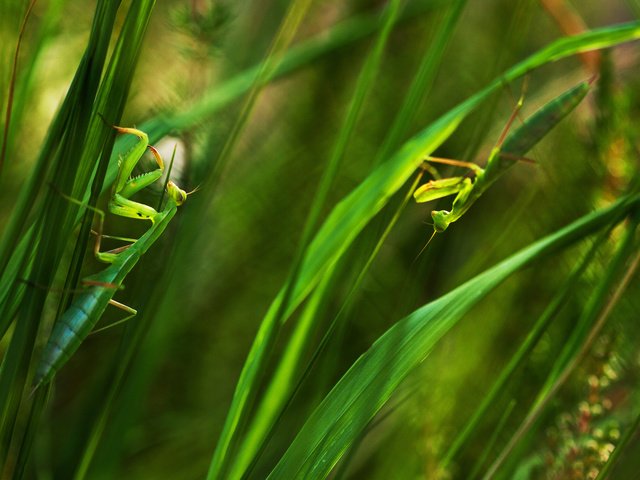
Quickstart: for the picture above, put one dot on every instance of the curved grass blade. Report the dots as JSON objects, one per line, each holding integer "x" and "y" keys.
{"x": 371, "y": 381}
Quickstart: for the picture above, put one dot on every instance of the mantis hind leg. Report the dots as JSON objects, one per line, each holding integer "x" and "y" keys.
{"x": 476, "y": 169}
{"x": 131, "y": 311}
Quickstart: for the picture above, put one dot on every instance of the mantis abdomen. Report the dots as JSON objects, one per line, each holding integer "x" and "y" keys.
{"x": 70, "y": 330}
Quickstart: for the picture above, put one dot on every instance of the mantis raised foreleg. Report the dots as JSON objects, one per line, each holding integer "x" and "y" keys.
{"x": 87, "y": 308}
{"x": 468, "y": 189}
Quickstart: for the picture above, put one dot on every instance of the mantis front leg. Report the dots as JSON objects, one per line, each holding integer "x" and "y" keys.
{"x": 124, "y": 187}
{"x": 443, "y": 187}
{"x": 461, "y": 186}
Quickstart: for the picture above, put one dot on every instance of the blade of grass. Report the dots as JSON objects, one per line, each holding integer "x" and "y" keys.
{"x": 370, "y": 382}
{"x": 31, "y": 429}
{"x": 38, "y": 42}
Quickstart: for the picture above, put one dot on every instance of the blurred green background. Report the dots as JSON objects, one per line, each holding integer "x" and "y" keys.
{"x": 259, "y": 159}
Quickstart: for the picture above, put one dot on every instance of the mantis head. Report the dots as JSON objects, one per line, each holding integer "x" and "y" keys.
{"x": 176, "y": 193}
{"x": 440, "y": 221}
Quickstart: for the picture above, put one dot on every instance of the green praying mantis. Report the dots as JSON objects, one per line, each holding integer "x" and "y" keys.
{"x": 508, "y": 149}
{"x": 78, "y": 320}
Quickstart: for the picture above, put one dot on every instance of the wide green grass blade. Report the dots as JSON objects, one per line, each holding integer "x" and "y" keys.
{"x": 9, "y": 107}
{"x": 371, "y": 381}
